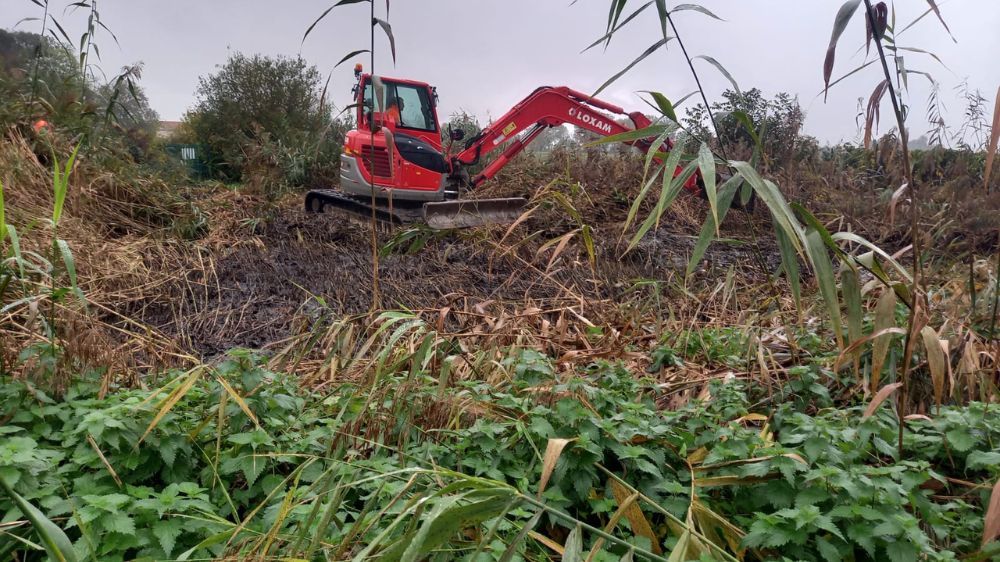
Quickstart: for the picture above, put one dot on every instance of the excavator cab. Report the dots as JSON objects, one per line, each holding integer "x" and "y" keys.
{"x": 395, "y": 161}
{"x": 397, "y": 145}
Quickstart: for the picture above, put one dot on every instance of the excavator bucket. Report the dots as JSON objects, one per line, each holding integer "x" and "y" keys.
{"x": 473, "y": 212}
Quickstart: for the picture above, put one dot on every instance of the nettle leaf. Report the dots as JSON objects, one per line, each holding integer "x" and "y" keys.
{"x": 890, "y": 527}
{"x": 764, "y": 534}
{"x": 168, "y": 450}
{"x": 829, "y": 552}
{"x": 901, "y": 551}
{"x": 541, "y": 427}
{"x": 825, "y": 523}
{"x": 863, "y": 535}
{"x": 961, "y": 439}
{"x": 252, "y": 466}
{"x": 582, "y": 484}
{"x": 648, "y": 467}
{"x": 815, "y": 446}
{"x": 253, "y": 438}
{"x": 10, "y": 475}
{"x": 755, "y": 469}
{"x": 167, "y": 532}
{"x": 988, "y": 460}
{"x": 812, "y": 495}
{"x": 110, "y": 502}
{"x": 119, "y": 523}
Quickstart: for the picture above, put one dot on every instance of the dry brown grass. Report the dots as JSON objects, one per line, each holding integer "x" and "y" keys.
{"x": 267, "y": 275}
{"x": 121, "y": 260}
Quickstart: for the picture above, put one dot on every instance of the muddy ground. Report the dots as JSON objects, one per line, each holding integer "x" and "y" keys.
{"x": 258, "y": 287}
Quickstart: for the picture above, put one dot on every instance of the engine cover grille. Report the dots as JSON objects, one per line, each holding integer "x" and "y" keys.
{"x": 377, "y": 157}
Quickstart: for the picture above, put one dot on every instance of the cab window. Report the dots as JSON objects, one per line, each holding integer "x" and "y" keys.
{"x": 412, "y": 104}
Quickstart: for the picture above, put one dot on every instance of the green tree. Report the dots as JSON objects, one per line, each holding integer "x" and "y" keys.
{"x": 266, "y": 115}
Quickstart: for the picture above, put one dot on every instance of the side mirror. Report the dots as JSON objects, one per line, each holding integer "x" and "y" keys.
{"x": 456, "y": 134}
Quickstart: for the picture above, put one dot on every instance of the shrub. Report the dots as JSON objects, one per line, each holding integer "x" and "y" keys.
{"x": 781, "y": 117}
{"x": 266, "y": 116}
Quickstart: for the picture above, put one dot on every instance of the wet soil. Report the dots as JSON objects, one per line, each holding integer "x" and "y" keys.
{"x": 261, "y": 286}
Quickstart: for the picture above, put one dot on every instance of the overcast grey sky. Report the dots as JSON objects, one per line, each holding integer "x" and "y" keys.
{"x": 485, "y": 55}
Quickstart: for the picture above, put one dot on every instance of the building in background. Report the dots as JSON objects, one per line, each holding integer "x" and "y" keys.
{"x": 167, "y": 129}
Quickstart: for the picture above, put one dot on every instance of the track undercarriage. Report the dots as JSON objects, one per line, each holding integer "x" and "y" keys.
{"x": 443, "y": 215}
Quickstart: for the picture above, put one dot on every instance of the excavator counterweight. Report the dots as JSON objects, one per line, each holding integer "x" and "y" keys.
{"x": 394, "y": 167}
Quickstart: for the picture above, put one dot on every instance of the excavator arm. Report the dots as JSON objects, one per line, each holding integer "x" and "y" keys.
{"x": 550, "y": 107}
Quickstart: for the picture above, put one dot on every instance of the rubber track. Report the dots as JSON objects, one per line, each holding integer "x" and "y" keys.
{"x": 319, "y": 200}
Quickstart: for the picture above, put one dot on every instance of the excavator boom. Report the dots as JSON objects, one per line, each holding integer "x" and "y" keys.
{"x": 548, "y": 107}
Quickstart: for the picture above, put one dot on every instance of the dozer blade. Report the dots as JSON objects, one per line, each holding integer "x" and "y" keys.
{"x": 469, "y": 213}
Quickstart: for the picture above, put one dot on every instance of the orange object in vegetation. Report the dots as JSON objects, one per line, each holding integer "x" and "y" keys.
{"x": 41, "y": 125}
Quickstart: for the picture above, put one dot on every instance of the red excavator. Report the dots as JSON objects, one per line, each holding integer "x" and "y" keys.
{"x": 395, "y": 156}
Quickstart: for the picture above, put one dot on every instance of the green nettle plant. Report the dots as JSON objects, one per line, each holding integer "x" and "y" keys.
{"x": 238, "y": 461}
{"x": 35, "y": 278}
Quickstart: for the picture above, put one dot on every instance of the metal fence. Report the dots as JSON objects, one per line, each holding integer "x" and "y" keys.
{"x": 192, "y": 155}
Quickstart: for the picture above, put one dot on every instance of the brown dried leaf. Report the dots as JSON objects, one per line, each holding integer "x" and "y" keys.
{"x": 936, "y": 361}
{"x": 881, "y": 22}
{"x": 885, "y": 318}
{"x": 239, "y": 400}
{"x": 879, "y": 398}
{"x": 560, "y": 246}
{"x": 732, "y": 480}
{"x": 556, "y": 547}
{"x": 991, "y": 150}
{"x": 442, "y": 316}
{"x": 172, "y": 399}
{"x": 104, "y": 460}
{"x": 636, "y": 519}
{"x": 873, "y": 113}
{"x": 697, "y": 455}
{"x": 991, "y": 527}
{"x": 552, "y": 452}
{"x": 612, "y": 523}
{"x": 849, "y": 350}
{"x": 896, "y": 196}
{"x": 524, "y": 216}
{"x": 390, "y": 147}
